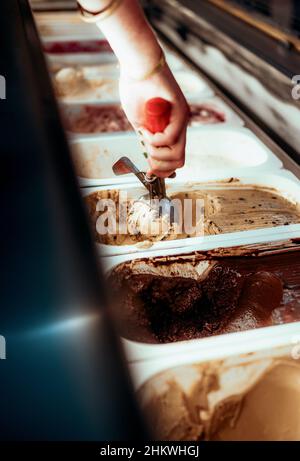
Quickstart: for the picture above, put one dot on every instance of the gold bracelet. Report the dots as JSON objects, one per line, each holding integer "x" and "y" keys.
{"x": 90, "y": 17}
{"x": 160, "y": 65}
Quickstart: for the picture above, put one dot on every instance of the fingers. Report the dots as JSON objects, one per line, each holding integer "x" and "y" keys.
{"x": 166, "y": 151}
{"x": 178, "y": 122}
{"x": 159, "y": 166}
{"x": 163, "y": 160}
{"x": 168, "y": 138}
{"x": 161, "y": 174}
{"x": 175, "y": 153}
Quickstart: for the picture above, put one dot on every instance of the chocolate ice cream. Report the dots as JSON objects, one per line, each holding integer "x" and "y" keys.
{"x": 177, "y": 298}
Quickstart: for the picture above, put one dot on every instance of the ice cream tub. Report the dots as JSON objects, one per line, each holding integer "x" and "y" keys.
{"x": 65, "y": 33}
{"x": 91, "y": 71}
{"x": 237, "y": 398}
{"x": 61, "y": 26}
{"x": 213, "y": 111}
{"x": 233, "y": 296}
{"x": 92, "y": 65}
{"x": 86, "y": 120}
{"x": 90, "y": 120}
{"x": 57, "y": 61}
{"x": 210, "y": 150}
{"x": 88, "y": 71}
{"x": 216, "y": 207}
{"x": 73, "y": 86}
{"x": 85, "y": 85}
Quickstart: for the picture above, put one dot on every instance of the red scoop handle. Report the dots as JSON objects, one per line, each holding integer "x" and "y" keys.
{"x": 157, "y": 114}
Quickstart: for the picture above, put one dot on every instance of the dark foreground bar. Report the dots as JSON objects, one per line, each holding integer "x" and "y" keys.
{"x": 63, "y": 377}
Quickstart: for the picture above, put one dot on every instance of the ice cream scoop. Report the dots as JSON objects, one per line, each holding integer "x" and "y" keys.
{"x": 145, "y": 216}
{"x": 157, "y": 118}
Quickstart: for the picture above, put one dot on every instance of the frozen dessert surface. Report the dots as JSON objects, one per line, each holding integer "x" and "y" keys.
{"x": 255, "y": 415}
{"x": 213, "y": 402}
{"x": 111, "y": 118}
{"x": 98, "y": 119}
{"x": 74, "y": 46}
{"x": 227, "y": 208}
{"x": 167, "y": 299}
{"x": 70, "y": 81}
{"x": 74, "y": 86}
{"x": 205, "y": 114}
{"x": 144, "y": 216}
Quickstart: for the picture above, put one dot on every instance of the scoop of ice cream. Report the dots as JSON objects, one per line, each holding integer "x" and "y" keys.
{"x": 144, "y": 219}
{"x": 69, "y": 81}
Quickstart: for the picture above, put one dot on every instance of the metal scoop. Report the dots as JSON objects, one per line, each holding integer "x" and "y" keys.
{"x": 156, "y": 190}
{"x": 157, "y": 118}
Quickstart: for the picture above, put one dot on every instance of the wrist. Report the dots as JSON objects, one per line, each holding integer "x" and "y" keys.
{"x": 139, "y": 67}
{"x": 145, "y": 71}
{"x": 143, "y": 54}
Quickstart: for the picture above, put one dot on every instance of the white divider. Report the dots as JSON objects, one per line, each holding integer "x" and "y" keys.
{"x": 260, "y": 345}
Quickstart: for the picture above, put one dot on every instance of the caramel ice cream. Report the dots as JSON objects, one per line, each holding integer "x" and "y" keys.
{"x": 256, "y": 401}
{"x": 72, "y": 85}
{"x": 227, "y": 208}
{"x": 70, "y": 81}
{"x": 178, "y": 298}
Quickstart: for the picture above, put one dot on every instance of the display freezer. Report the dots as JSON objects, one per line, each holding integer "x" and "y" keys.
{"x": 84, "y": 310}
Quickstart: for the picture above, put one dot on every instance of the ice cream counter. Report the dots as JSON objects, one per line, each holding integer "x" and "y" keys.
{"x": 208, "y": 320}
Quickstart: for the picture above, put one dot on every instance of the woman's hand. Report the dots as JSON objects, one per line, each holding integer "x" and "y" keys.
{"x": 138, "y": 52}
{"x": 166, "y": 151}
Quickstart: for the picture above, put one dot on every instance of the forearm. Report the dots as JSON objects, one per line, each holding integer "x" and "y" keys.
{"x": 129, "y": 35}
